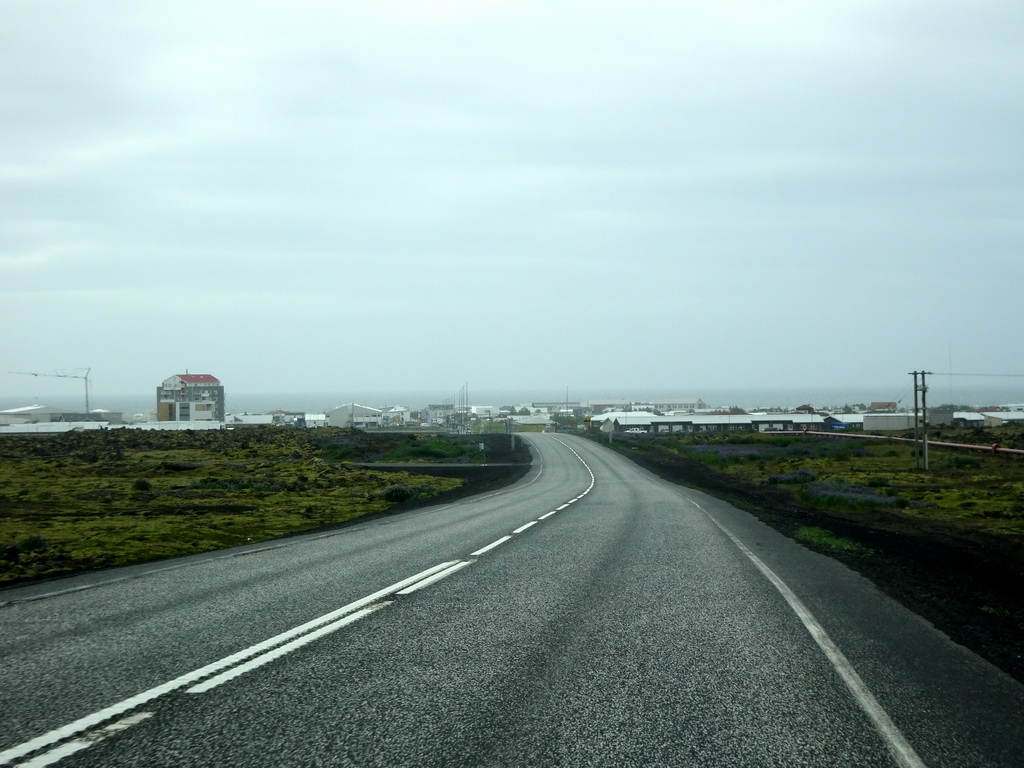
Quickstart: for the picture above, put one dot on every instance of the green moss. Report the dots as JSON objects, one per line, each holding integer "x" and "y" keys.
{"x": 980, "y": 491}
{"x": 127, "y": 497}
{"x": 822, "y": 539}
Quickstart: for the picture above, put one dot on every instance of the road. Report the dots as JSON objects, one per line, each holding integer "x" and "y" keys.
{"x": 589, "y": 615}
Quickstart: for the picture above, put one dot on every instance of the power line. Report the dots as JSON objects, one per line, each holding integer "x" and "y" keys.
{"x": 995, "y": 375}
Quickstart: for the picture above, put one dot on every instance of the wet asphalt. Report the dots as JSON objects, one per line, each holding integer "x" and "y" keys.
{"x": 627, "y": 628}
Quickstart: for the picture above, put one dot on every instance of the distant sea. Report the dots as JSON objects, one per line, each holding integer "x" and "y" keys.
{"x": 957, "y": 391}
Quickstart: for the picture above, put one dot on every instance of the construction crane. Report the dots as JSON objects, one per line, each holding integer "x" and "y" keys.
{"x": 66, "y": 375}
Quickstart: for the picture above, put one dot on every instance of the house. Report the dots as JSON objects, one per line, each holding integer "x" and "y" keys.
{"x": 190, "y": 397}
{"x": 847, "y": 421}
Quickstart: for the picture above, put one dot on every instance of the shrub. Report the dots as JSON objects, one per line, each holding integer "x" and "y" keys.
{"x": 800, "y": 476}
{"x": 710, "y": 458}
{"x": 964, "y": 462}
{"x": 398, "y": 493}
{"x": 142, "y": 485}
{"x": 825, "y": 539}
{"x": 836, "y": 493}
{"x": 33, "y": 543}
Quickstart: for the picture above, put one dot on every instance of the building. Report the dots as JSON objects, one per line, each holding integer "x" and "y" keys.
{"x": 1003, "y": 418}
{"x": 30, "y": 414}
{"x": 888, "y": 422}
{"x": 190, "y": 397}
{"x": 639, "y": 421}
{"x": 666, "y": 405}
{"x": 396, "y": 415}
{"x": 250, "y": 420}
{"x": 315, "y": 420}
{"x": 355, "y": 416}
{"x": 844, "y": 421}
{"x": 43, "y": 414}
{"x": 887, "y": 406}
{"x": 440, "y": 414}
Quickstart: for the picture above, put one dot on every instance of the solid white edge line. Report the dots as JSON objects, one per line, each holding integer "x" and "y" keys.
{"x": 490, "y": 546}
{"x": 436, "y": 577}
{"x": 71, "y": 747}
{"x": 522, "y": 528}
{"x": 101, "y": 716}
{"x": 282, "y": 650}
{"x": 901, "y": 749}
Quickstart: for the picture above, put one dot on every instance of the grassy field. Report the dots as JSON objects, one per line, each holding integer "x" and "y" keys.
{"x": 975, "y": 491}
{"x": 85, "y": 500}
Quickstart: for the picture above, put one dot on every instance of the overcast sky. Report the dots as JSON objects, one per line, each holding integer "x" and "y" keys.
{"x": 320, "y": 196}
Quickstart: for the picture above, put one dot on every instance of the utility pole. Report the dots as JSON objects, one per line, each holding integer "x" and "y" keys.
{"x": 924, "y": 417}
{"x": 917, "y": 437}
{"x": 921, "y": 423}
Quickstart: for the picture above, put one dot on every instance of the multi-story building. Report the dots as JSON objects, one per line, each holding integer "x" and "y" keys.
{"x": 190, "y": 397}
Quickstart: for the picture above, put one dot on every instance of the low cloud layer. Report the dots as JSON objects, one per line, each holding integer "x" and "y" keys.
{"x": 408, "y": 196}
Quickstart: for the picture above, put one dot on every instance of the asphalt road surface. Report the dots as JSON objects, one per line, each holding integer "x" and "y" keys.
{"x": 589, "y": 615}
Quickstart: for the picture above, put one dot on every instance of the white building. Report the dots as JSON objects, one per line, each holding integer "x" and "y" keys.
{"x": 314, "y": 420}
{"x": 888, "y": 422}
{"x": 1003, "y": 418}
{"x": 355, "y": 416}
{"x": 395, "y": 415}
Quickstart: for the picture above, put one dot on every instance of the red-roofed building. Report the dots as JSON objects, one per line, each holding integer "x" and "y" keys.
{"x": 190, "y": 397}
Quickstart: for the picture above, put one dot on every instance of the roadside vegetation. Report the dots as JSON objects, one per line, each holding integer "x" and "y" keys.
{"x": 85, "y": 500}
{"x": 968, "y": 491}
{"x": 947, "y": 542}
